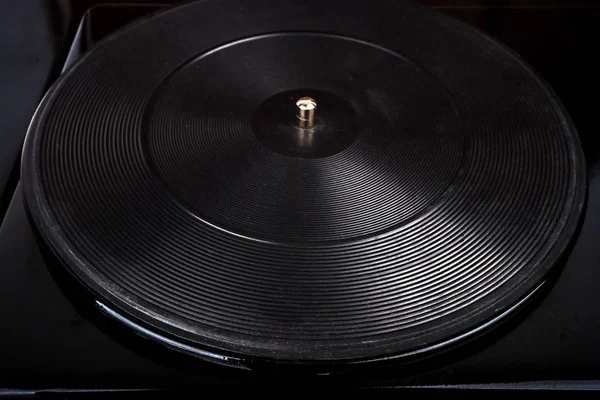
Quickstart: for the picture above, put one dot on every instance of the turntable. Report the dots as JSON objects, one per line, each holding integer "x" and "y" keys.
{"x": 304, "y": 189}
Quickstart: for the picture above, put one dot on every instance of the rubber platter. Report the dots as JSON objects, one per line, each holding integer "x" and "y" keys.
{"x": 313, "y": 183}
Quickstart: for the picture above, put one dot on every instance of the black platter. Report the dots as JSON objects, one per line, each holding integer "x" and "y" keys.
{"x": 441, "y": 183}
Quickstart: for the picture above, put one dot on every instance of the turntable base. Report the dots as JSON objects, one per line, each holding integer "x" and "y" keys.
{"x": 437, "y": 184}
